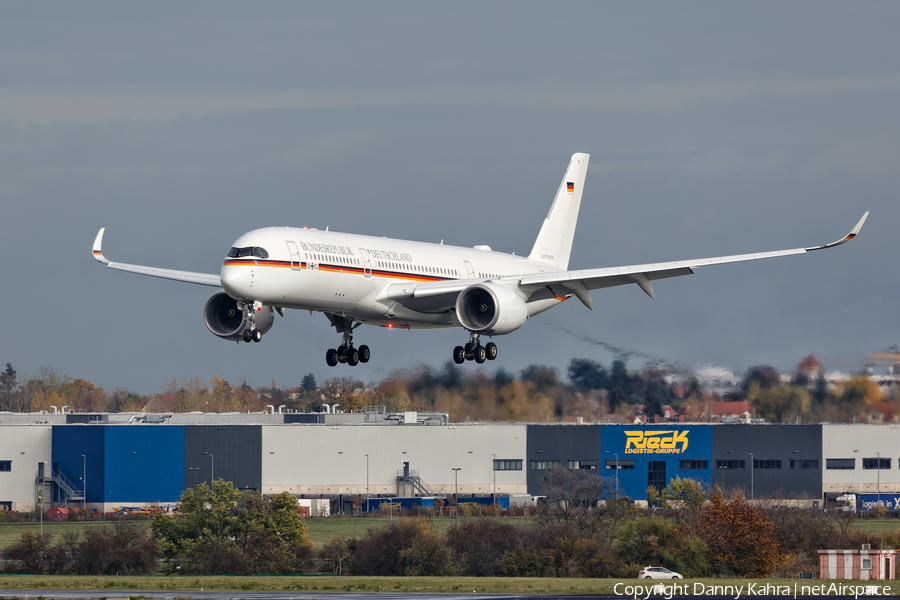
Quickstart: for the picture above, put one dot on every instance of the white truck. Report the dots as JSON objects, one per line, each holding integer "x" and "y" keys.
{"x": 846, "y": 503}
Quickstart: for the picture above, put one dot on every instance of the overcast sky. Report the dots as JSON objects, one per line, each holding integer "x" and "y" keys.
{"x": 714, "y": 128}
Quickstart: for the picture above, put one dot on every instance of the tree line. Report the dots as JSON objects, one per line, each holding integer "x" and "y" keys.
{"x": 538, "y": 393}
{"x": 583, "y": 529}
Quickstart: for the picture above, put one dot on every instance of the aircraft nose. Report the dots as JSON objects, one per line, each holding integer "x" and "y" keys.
{"x": 233, "y": 280}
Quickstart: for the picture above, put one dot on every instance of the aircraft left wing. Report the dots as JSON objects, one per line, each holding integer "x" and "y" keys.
{"x": 442, "y": 295}
{"x": 579, "y": 282}
{"x": 185, "y": 276}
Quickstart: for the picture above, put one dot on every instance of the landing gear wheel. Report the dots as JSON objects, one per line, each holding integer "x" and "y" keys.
{"x": 331, "y": 357}
{"x": 256, "y": 335}
{"x": 352, "y": 357}
{"x": 364, "y": 354}
{"x": 459, "y": 355}
{"x": 341, "y": 351}
{"x": 491, "y": 350}
{"x": 247, "y": 335}
{"x": 469, "y": 347}
{"x": 480, "y": 354}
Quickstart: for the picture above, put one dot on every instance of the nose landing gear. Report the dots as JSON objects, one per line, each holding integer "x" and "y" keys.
{"x": 473, "y": 350}
{"x": 251, "y": 334}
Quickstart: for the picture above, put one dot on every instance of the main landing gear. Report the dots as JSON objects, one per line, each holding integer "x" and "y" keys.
{"x": 475, "y": 351}
{"x": 346, "y": 353}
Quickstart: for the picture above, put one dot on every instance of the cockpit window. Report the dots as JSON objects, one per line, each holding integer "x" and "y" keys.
{"x": 248, "y": 251}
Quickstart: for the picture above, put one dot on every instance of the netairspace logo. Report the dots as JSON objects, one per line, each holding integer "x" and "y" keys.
{"x": 669, "y": 591}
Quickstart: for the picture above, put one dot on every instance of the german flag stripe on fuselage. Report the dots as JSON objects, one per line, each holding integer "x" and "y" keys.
{"x": 332, "y": 268}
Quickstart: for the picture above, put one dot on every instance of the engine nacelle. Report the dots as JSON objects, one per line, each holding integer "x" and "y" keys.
{"x": 491, "y": 309}
{"x": 228, "y": 319}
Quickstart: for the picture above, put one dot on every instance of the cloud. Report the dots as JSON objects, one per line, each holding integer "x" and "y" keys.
{"x": 85, "y": 105}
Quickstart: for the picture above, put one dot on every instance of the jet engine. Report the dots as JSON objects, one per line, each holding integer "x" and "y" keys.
{"x": 228, "y": 319}
{"x": 490, "y": 309}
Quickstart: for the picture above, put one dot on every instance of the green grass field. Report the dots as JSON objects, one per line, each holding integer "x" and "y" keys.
{"x": 878, "y": 525}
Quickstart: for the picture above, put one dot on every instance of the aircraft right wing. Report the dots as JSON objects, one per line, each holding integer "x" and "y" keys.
{"x": 579, "y": 282}
{"x": 185, "y": 276}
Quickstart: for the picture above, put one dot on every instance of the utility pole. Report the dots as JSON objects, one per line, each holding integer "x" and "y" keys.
{"x": 878, "y": 461}
{"x": 212, "y": 477}
{"x": 494, "y": 468}
{"x": 456, "y": 471}
{"x": 84, "y": 481}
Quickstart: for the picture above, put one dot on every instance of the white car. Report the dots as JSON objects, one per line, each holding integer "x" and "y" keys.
{"x": 658, "y": 573}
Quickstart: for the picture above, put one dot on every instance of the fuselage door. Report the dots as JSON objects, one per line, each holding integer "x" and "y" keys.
{"x": 367, "y": 264}
{"x": 296, "y": 264}
{"x": 470, "y": 272}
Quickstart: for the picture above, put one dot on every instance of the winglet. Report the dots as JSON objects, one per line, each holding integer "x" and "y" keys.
{"x": 98, "y": 253}
{"x": 846, "y": 238}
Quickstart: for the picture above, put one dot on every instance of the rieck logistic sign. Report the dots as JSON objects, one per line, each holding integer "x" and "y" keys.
{"x": 656, "y": 442}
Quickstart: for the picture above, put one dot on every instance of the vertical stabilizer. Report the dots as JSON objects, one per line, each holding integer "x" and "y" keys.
{"x": 554, "y": 242}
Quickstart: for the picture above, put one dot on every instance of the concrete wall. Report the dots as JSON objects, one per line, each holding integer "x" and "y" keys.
{"x": 858, "y": 442}
{"x": 330, "y": 459}
{"x": 24, "y": 446}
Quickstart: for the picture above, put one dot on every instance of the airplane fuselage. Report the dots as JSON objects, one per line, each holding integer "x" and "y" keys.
{"x": 353, "y": 275}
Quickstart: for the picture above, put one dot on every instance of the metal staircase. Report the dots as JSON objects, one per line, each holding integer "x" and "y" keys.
{"x": 65, "y": 489}
{"x": 407, "y": 477}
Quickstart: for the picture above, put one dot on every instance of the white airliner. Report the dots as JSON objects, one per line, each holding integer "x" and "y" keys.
{"x": 356, "y": 279}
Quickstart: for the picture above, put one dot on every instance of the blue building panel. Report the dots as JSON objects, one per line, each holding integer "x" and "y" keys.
{"x": 639, "y": 456}
{"x": 78, "y": 454}
{"x": 144, "y": 463}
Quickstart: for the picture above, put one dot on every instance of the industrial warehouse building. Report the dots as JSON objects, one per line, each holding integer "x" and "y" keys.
{"x": 114, "y": 460}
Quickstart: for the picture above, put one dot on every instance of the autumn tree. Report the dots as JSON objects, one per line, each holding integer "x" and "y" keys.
{"x": 351, "y": 394}
{"x": 779, "y": 403}
{"x": 739, "y": 539}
